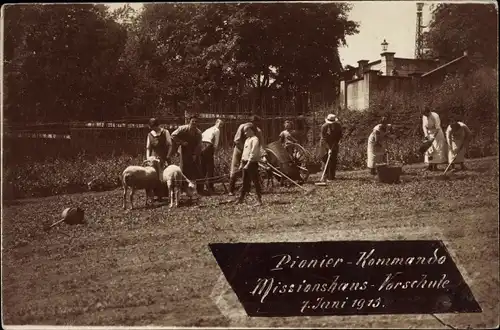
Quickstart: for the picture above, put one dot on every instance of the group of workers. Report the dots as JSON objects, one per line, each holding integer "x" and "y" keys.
{"x": 197, "y": 148}
{"x": 438, "y": 148}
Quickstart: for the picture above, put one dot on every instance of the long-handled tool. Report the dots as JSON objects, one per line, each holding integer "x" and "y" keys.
{"x": 322, "y": 182}
{"x": 453, "y": 160}
{"x": 46, "y": 228}
{"x": 289, "y": 179}
{"x": 70, "y": 215}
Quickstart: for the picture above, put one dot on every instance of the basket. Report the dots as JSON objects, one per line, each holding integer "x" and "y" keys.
{"x": 389, "y": 173}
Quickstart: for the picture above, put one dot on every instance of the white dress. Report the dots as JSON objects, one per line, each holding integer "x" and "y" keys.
{"x": 431, "y": 126}
{"x": 455, "y": 141}
{"x": 376, "y": 147}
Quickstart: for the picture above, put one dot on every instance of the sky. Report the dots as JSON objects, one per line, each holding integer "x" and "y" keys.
{"x": 394, "y": 21}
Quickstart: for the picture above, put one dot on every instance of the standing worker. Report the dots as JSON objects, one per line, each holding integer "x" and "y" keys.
{"x": 331, "y": 133}
{"x": 239, "y": 140}
{"x": 458, "y": 136}
{"x": 189, "y": 138}
{"x": 158, "y": 144}
{"x": 431, "y": 125}
{"x": 377, "y": 145}
{"x": 209, "y": 144}
{"x": 250, "y": 164}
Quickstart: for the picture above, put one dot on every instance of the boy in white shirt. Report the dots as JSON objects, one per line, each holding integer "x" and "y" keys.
{"x": 250, "y": 164}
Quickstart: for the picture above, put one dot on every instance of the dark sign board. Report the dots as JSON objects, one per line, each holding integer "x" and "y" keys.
{"x": 344, "y": 278}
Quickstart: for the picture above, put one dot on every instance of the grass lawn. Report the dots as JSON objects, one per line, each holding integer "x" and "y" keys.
{"x": 154, "y": 267}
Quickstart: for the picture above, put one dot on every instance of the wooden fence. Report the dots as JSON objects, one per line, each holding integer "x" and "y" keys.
{"x": 115, "y": 138}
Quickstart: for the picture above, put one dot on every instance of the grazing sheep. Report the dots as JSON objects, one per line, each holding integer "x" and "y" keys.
{"x": 175, "y": 180}
{"x": 141, "y": 177}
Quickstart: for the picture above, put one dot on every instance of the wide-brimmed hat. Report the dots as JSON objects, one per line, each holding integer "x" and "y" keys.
{"x": 330, "y": 118}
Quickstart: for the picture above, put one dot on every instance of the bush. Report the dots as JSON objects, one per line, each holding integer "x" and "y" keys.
{"x": 59, "y": 176}
{"x": 55, "y": 176}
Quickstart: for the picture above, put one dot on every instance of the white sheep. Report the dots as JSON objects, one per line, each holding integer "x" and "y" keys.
{"x": 141, "y": 177}
{"x": 174, "y": 178}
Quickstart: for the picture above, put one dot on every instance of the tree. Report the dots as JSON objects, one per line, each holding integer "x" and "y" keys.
{"x": 455, "y": 28}
{"x": 62, "y": 63}
{"x": 194, "y": 50}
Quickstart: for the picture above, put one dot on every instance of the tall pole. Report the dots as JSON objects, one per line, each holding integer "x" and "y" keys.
{"x": 418, "y": 33}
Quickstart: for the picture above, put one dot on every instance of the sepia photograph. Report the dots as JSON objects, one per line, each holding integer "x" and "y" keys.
{"x": 312, "y": 164}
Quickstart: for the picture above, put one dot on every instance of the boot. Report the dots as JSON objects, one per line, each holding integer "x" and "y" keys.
{"x": 232, "y": 184}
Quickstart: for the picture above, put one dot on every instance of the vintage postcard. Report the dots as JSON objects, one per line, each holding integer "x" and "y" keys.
{"x": 250, "y": 165}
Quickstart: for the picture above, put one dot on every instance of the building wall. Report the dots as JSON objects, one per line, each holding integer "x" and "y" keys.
{"x": 394, "y": 84}
{"x": 360, "y": 92}
{"x": 405, "y": 67}
{"x": 436, "y": 78}
{"x": 355, "y": 94}
{"x": 377, "y": 67}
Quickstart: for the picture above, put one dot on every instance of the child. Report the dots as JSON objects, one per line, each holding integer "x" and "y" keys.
{"x": 250, "y": 164}
{"x": 286, "y": 136}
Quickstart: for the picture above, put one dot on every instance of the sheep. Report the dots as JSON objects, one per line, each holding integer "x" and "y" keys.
{"x": 141, "y": 177}
{"x": 174, "y": 178}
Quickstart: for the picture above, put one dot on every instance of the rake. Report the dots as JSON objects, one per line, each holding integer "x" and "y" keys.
{"x": 322, "y": 182}
{"x": 443, "y": 176}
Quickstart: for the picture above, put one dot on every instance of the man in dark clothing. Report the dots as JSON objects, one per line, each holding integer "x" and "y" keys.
{"x": 189, "y": 138}
{"x": 331, "y": 133}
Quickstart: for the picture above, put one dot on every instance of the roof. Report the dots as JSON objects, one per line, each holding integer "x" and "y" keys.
{"x": 415, "y": 59}
{"x": 375, "y": 62}
{"x": 444, "y": 66}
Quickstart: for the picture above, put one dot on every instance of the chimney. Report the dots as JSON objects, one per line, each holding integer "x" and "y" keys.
{"x": 387, "y": 59}
{"x": 361, "y": 67}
